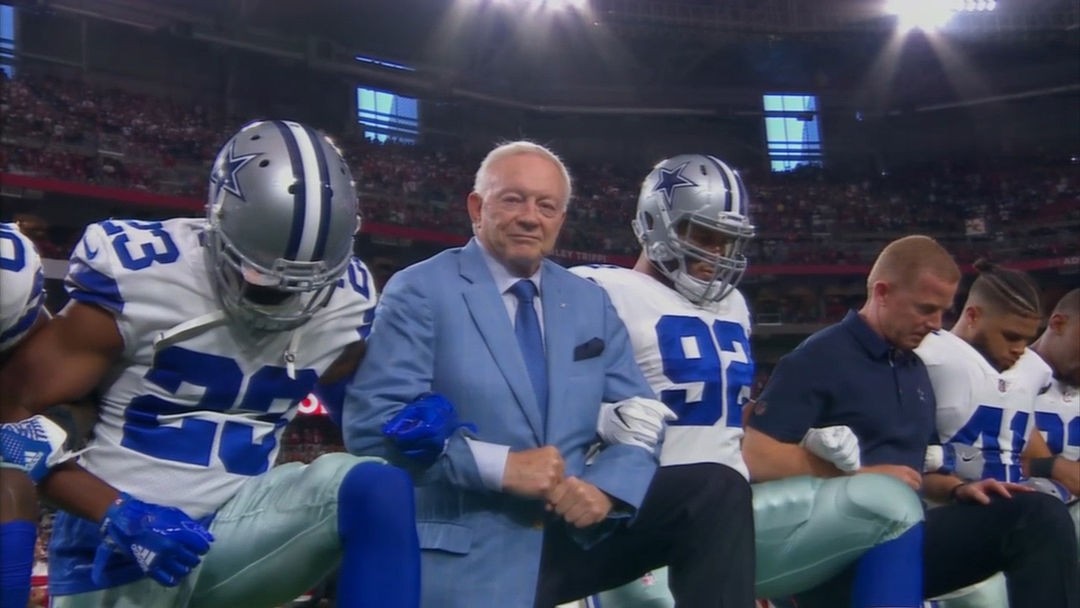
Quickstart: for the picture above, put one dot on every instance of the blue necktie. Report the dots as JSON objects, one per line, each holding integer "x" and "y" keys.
{"x": 527, "y": 331}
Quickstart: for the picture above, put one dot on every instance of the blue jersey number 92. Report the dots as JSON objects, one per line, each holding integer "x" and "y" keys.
{"x": 692, "y": 352}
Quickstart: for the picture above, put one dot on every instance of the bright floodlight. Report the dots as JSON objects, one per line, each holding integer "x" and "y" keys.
{"x": 926, "y": 15}
{"x": 929, "y": 15}
{"x": 567, "y": 4}
{"x": 547, "y": 5}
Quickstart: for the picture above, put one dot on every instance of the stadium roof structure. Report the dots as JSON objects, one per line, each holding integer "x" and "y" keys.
{"x": 690, "y": 57}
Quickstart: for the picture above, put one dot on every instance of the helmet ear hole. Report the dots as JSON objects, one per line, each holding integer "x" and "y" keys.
{"x": 647, "y": 220}
{"x": 264, "y": 163}
{"x": 660, "y": 251}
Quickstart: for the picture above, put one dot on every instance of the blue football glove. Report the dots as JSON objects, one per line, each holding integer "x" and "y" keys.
{"x": 164, "y": 541}
{"x": 422, "y": 428}
{"x": 34, "y": 445}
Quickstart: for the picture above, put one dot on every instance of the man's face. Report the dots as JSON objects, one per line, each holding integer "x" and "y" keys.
{"x": 519, "y": 217}
{"x": 1000, "y": 337}
{"x": 713, "y": 242}
{"x": 908, "y": 313}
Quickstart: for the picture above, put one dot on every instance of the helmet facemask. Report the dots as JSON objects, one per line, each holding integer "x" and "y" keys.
{"x": 269, "y": 299}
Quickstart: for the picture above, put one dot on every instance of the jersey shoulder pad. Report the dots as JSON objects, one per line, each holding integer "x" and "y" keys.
{"x": 112, "y": 250}
{"x": 598, "y": 273}
{"x": 935, "y": 348}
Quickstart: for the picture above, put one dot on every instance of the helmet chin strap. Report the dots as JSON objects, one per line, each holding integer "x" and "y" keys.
{"x": 210, "y": 320}
{"x": 189, "y": 328}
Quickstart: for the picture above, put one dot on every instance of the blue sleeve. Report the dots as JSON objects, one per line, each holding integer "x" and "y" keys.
{"x": 91, "y": 274}
{"x": 794, "y": 398}
{"x": 397, "y": 368}
{"x": 622, "y": 471}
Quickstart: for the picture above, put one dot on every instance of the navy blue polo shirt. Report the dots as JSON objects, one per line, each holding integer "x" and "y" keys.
{"x": 848, "y": 374}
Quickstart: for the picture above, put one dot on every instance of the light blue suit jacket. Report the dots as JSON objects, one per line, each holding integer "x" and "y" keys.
{"x": 441, "y": 326}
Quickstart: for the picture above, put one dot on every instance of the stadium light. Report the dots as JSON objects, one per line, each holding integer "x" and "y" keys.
{"x": 925, "y": 15}
{"x": 547, "y": 5}
{"x": 930, "y": 15}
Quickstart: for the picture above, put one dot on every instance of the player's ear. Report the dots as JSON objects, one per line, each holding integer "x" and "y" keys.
{"x": 972, "y": 314}
{"x": 1057, "y": 323}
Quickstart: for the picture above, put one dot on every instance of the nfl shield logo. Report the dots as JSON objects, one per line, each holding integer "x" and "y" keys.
{"x": 1002, "y": 385}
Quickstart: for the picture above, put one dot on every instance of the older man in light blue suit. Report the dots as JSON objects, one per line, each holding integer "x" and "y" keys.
{"x": 515, "y": 501}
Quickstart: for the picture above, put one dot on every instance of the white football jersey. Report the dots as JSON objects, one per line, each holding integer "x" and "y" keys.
{"x": 22, "y": 285}
{"x": 1057, "y": 415}
{"x": 186, "y": 422}
{"x": 697, "y": 360}
{"x": 981, "y": 407}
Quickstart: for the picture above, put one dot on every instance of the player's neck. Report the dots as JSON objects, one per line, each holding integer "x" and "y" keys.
{"x": 646, "y": 267}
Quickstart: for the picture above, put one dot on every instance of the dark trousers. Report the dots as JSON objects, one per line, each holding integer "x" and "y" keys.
{"x": 1029, "y": 537}
{"x": 696, "y": 519}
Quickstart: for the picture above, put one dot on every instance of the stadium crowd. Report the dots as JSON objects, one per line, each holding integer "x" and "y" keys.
{"x": 101, "y": 135}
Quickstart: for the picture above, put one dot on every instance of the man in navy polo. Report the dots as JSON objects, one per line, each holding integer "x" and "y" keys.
{"x": 861, "y": 374}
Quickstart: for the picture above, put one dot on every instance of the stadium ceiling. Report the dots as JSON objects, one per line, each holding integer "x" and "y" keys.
{"x": 672, "y": 56}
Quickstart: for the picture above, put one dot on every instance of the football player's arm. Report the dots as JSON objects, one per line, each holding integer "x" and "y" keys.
{"x": 770, "y": 459}
{"x": 1038, "y": 461}
{"x": 77, "y": 491}
{"x": 61, "y": 362}
{"x": 779, "y": 419}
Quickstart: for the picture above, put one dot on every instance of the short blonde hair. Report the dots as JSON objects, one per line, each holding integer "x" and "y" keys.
{"x": 482, "y": 182}
{"x": 902, "y": 260}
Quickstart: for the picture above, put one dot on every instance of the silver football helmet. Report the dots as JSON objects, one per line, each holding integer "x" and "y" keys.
{"x": 282, "y": 214}
{"x": 693, "y": 213}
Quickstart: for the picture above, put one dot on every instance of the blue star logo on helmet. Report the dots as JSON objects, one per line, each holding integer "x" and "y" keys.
{"x": 225, "y": 175}
{"x": 670, "y": 181}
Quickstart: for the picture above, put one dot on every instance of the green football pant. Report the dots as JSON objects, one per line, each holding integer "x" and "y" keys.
{"x": 807, "y": 530}
{"x": 274, "y": 540}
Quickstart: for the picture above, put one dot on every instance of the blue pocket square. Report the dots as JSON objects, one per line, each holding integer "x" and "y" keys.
{"x": 588, "y": 350}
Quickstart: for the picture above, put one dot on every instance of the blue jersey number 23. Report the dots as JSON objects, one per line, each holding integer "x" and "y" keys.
{"x": 692, "y": 353}
{"x": 268, "y": 390}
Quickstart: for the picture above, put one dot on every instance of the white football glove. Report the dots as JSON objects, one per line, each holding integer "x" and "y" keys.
{"x": 836, "y": 444}
{"x": 635, "y": 421}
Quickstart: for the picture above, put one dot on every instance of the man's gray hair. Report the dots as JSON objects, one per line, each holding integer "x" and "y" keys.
{"x": 512, "y": 148}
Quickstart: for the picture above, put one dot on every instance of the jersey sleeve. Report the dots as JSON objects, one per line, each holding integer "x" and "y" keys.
{"x": 360, "y": 294}
{"x": 22, "y": 286}
{"x": 92, "y": 272}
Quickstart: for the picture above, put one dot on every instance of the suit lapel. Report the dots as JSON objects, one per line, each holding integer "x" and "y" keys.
{"x": 558, "y": 338}
{"x": 488, "y": 312}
